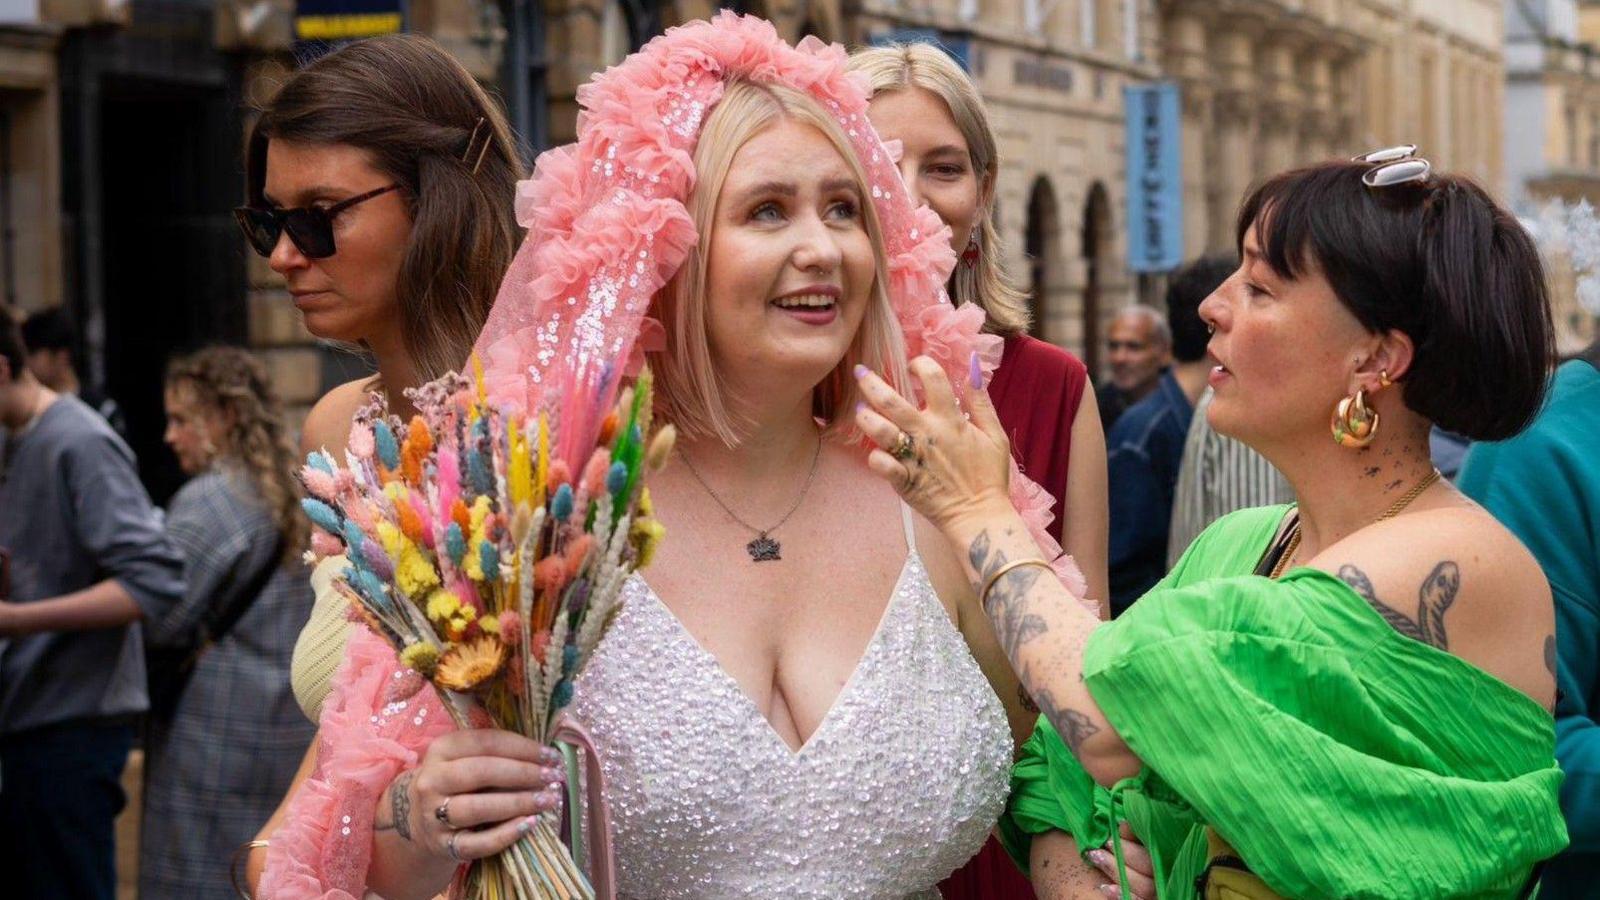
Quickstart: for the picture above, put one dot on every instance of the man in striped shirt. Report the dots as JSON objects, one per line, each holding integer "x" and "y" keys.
{"x": 1217, "y": 476}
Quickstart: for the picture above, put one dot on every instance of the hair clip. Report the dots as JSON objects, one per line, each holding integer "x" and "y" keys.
{"x": 472, "y": 141}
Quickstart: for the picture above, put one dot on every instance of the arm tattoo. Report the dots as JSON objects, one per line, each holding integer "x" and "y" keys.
{"x": 399, "y": 806}
{"x": 1434, "y": 598}
{"x": 1550, "y": 654}
{"x": 1015, "y": 625}
{"x": 1025, "y": 700}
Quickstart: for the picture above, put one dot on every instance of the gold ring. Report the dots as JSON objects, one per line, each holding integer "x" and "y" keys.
{"x": 904, "y": 447}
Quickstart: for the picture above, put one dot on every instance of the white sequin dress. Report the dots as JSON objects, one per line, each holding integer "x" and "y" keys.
{"x": 899, "y": 785}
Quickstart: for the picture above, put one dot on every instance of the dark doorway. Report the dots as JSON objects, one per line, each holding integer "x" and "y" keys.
{"x": 151, "y": 133}
{"x": 173, "y": 261}
{"x": 1096, "y": 238}
{"x": 1042, "y": 244}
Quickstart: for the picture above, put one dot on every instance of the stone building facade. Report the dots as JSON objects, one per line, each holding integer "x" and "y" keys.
{"x": 1268, "y": 85}
{"x": 1552, "y": 132}
{"x": 1265, "y": 84}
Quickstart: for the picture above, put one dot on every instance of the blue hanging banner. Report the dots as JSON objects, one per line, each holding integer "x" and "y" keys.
{"x": 1155, "y": 177}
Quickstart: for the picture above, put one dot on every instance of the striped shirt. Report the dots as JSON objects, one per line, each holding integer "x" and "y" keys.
{"x": 1218, "y": 475}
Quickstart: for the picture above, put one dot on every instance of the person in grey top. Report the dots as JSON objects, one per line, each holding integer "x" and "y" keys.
{"x": 89, "y": 562}
{"x": 221, "y": 753}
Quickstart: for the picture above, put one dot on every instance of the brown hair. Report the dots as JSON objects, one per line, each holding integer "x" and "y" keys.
{"x": 415, "y": 110}
{"x": 232, "y": 385}
{"x": 689, "y": 389}
{"x": 901, "y": 66}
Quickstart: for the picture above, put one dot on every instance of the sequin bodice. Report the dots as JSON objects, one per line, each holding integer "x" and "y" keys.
{"x": 899, "y": 784}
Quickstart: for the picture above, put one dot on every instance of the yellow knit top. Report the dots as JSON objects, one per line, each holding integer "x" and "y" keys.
{"x": 320, "y": 647}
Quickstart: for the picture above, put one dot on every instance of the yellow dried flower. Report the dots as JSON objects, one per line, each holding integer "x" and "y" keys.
{"x": 464, "y": 667}
{"x": 412, "y": 571}
{"x": 393, "y": 541}
{"x": 646, "y": 535}
{"x": 422, "y": 657}
{"x": 442, "y": 605}
{"x": 490, "y": 625}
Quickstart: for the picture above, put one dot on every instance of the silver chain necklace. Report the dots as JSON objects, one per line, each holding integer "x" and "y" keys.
{"x": 763, "y": 548}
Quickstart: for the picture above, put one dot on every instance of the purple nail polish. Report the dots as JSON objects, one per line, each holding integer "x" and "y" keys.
{"x": 975, "y": 371}
{"x": 861, "y": 370}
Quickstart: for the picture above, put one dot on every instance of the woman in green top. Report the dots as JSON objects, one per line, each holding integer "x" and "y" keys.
{"x": 1345, "y": 699}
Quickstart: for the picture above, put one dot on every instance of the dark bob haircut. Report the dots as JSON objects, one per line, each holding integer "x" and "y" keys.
{"x": 1438, "y": 261}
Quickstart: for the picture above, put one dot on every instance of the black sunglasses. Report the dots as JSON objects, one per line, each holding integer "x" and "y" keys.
{"x": 310, "y": 227}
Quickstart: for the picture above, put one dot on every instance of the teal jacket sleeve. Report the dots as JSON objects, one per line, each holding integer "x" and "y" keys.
{"x": 1544, "y": 485}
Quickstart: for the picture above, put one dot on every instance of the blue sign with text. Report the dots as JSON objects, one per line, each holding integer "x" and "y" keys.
{"x": 1155, "y": 177}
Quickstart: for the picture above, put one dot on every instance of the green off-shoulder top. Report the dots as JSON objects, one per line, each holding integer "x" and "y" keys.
{"x": 1340, "y": 758}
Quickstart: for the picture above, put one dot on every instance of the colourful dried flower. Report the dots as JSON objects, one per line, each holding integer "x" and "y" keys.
{"x": 464, "y": 667}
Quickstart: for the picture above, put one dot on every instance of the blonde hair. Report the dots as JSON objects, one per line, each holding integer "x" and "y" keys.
{"x": 899, "y": 66}
{"x": 232, "y": 384}
{"x": 690, "y": 391}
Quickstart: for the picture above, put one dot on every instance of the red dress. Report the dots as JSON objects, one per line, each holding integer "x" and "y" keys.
{"x": 1036, "y": 392}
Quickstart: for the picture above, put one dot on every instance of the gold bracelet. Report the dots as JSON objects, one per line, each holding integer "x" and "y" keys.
{"x": 983, "y": 595}
{"x": 242, "y": 852}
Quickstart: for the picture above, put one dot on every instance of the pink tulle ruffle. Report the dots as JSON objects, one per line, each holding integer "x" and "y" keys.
{"x": 608, "y": 226}
{"x": 376, "y": 722}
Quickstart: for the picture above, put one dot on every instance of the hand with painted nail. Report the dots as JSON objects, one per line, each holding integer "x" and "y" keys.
{"x": 946, "y": 464}
{"x": 472, "y": 795}
{"x": 1135, "y": 859}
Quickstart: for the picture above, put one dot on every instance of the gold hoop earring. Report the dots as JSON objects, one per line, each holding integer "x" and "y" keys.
{"x": 1354, "y": 423}
{"x": 1383, "y": 378}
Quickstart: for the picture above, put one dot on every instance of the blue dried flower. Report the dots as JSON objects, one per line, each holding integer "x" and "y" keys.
{"x": 561, "y": 503}
{"x": 321, "y": 515}
{"x": 617, "y": 478}
{"x": 561, "y": 696}
{"x": 455, "y": 543}
{"x": 354, "y": 541}
{"x": 569, "y": 660}
{"x": 388, "y": 447}
{"x": 319, "y": 461}
{"x": 478, "y": 472}
{"x": 489, "y": 558}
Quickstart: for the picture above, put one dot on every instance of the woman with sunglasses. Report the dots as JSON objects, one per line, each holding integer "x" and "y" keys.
{"x": 1346, "y": 698}
{"x": 381, "y": 182}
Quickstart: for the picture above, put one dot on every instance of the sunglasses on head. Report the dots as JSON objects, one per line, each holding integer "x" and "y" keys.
{"x": 310, "y": 228}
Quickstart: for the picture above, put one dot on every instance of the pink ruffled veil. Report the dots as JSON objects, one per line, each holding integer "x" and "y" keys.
{"x": 608, "y": 226}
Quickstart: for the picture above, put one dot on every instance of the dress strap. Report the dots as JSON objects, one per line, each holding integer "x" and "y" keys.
{"x": 911, "y": 534}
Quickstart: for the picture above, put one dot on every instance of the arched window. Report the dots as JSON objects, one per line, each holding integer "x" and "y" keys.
{"x": 1096, "y": 262}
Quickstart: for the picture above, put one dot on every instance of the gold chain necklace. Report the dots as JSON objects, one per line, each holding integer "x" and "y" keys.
{"x": 1294, "y": 535}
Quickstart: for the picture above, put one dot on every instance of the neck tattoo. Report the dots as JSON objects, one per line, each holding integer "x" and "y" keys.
{"x": 763, "y": 548}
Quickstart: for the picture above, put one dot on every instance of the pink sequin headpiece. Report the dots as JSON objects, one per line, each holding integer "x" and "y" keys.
{"x": 608, "y": 224}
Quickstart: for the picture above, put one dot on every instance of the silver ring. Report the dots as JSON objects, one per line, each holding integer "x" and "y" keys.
{"x": 443, "y": 813}
{"x": 450, "y": 846}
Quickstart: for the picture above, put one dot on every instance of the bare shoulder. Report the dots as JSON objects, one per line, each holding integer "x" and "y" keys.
{"x": 328, "y": 424}
{"x": 1454, "y": 578}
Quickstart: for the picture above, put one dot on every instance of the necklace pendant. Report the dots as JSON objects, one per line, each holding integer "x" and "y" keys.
{"x": 763, "y": 549}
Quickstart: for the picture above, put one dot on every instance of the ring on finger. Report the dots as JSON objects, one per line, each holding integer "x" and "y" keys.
{"x": 450, "y": 846}
{"x": 905, "y": 446}
{"x": 443, "y": 813}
